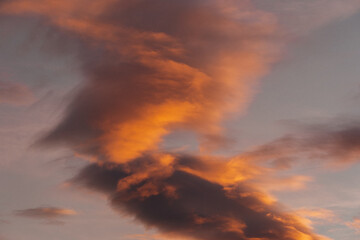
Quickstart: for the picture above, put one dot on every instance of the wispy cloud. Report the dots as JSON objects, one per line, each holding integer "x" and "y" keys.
{"x": 355, "y": 224}
{"x": 317, "y": 215}
{"x": 51, "y": 215}
{"x": 334, "y": 143}
{"x": 193, "y": 197}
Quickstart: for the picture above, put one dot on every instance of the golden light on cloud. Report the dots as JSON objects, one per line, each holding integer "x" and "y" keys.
{"x": 355, "y": 224}
{"x": 154, "y": 67}
{"x": 184, "y": 76}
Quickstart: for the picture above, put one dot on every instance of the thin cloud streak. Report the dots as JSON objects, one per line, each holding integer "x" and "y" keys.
{"x": 333, "y": 144}
{"x": 47, "y": 213}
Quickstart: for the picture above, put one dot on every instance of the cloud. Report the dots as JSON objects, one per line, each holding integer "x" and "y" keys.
{"x": 15, "y": 93}
{"x": 51, "y": 215}
{"x": 273, "y": 183}
{"x": 317, "y": 216}
{"x": 153, "y": 67}
{"x": 355, "y": 224}
{"x": 171, "y": 194}
{"x": 156, "y": 67}
{"x": 302, "y": 17}
{"x": 336, "y": 144}
{"x": 150, "y": 237}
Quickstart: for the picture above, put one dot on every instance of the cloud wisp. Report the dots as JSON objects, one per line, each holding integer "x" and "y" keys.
{"x": 354, "y": 224}
{"x": 52, "y": 215}
{"x": 333, "y": 144}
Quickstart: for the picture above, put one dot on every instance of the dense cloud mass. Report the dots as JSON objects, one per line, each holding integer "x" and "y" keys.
{"x": 169, "y": 192}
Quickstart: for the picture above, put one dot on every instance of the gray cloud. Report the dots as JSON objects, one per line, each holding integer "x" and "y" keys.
{"x": 335, "y": 143}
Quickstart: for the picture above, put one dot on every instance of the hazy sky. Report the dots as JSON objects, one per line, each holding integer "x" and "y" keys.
{"x": 205, "y": 119}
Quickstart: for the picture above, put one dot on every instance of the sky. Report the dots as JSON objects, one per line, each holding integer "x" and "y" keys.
{"x": 191, "y": 119}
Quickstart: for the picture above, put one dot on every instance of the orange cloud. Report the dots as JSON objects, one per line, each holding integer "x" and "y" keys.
{"x": 274, "y": 183}
{"x": 355, "y": 224}
{"x": 316, "y": 216}
{"x": 147, "y": 79}
{"x": 153, "y": 67}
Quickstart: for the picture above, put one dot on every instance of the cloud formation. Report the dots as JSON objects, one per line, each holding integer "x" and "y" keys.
{"x": 45, "y": 213}
{"x": 317, "y": 215}
{"x": 301, "y": 17}
{"x": 153, "y": 67}
{"x": 334, "y": 144}
{"x": 183, "y": 196}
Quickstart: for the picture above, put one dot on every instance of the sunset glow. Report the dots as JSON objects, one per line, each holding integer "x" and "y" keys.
{"x": 181, "y": 119}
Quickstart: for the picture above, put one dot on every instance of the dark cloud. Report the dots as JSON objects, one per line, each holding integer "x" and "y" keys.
{"x": 187, "y": 205}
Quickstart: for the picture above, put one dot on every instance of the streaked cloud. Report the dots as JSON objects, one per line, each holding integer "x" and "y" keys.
{"x": 302, "y": 17}
{"x": 317, "y": 216}
{"x": 336, "y": 144}
{"x": 50, "y": 214}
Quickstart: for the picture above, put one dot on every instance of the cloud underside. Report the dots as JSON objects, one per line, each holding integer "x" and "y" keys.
{"x": 182, "y": 203}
